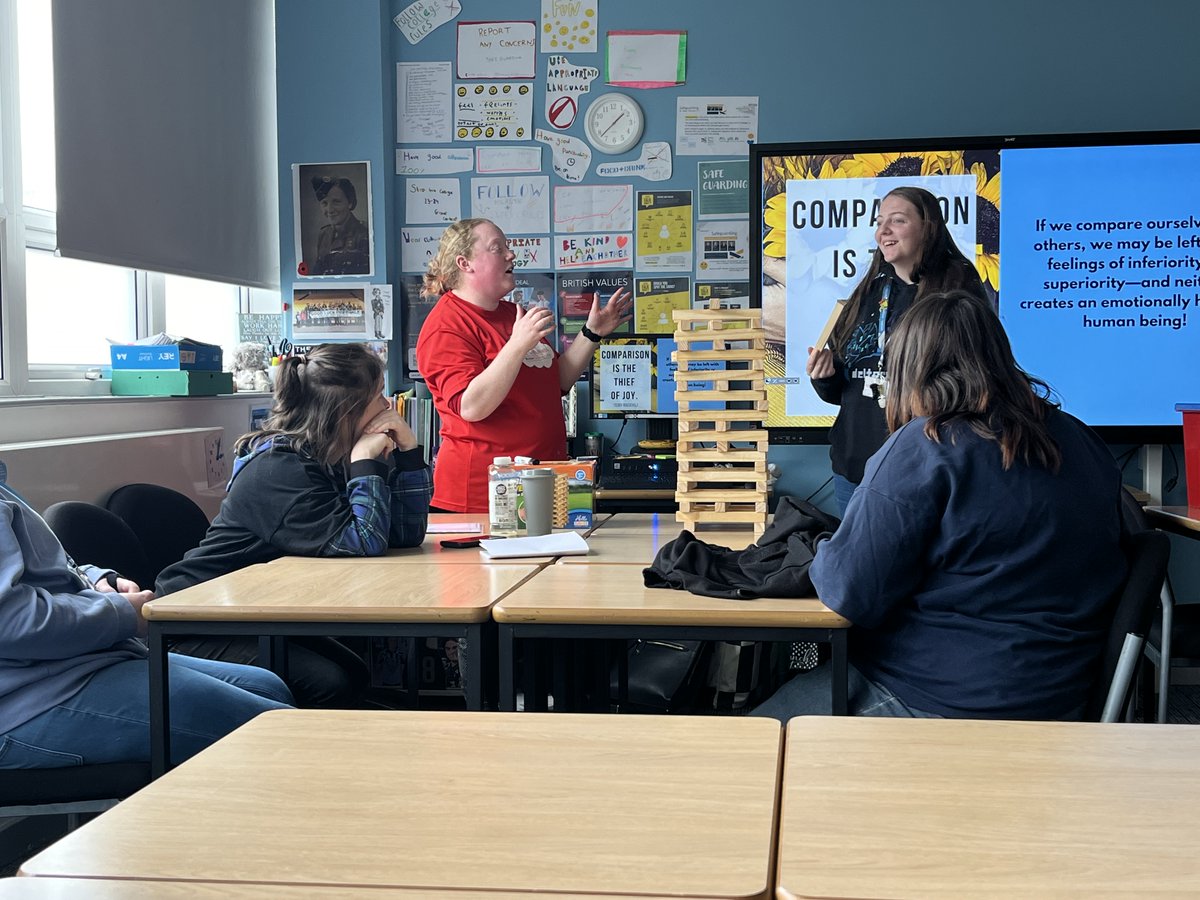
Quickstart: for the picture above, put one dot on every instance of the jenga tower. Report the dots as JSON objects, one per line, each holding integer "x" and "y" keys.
{"x": 722, "y": 452}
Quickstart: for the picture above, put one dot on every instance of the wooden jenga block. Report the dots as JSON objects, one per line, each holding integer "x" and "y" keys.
{"x": 722, "y": 453}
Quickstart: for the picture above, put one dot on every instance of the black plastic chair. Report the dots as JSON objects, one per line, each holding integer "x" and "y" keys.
{"x": 1148, "y": 553}
{"x": 167, "y": 523}
{"x": 92, "y": 534}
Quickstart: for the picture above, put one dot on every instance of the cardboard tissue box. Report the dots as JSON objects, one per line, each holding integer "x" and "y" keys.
{"x": 574, "y": 481}
{"x": 173, "y": 354}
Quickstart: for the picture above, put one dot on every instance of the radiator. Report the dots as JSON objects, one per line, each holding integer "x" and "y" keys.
{"x": 191, "y": 460}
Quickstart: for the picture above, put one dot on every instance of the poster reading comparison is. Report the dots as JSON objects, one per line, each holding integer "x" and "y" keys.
{"x": 819, "y": 249}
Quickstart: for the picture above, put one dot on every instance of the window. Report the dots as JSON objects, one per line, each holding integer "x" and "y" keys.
{"x": 59, "y": 314}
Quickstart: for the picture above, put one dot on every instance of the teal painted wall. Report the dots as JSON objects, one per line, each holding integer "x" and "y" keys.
{"x": 821, "y": 70}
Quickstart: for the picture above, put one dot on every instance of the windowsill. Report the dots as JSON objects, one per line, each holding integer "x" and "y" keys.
{"x": 40, "y": 399}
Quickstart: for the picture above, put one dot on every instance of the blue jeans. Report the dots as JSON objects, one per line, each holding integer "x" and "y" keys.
{"x": 843, "y": 490}
{"x": 109, "y": 719}
{"x": 810, "y": 694}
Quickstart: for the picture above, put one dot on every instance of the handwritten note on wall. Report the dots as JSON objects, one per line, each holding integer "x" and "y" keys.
{"x": 519, "y": 204}
{"x": 431, "y": 200}
{"x": 569, "y": 25}
{"x": 499, "y": 111}
{"x": 433, "y": 161}
{"x": 496, "y": 49}
{"x": 418, "y": 19}
{"x": 594, "y": 207}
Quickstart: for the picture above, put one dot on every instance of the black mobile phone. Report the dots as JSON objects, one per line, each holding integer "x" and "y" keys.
{"x": 460, "y": 543}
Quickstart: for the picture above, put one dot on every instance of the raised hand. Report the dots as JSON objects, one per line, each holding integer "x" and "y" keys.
{"x": 530, "y": 327}
{"x": 607, "y": 319}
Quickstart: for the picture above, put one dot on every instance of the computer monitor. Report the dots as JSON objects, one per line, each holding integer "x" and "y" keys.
{"x": 1089, "y": 244}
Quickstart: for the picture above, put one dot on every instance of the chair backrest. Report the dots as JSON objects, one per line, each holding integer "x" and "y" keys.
{"x": 92, "y": 534}
{"x": 1148, "y": 553}
{"x": 74, "y": 791}
{"x": 168, "y": 523}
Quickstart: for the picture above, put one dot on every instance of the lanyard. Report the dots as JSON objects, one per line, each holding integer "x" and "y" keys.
{"x": 883, "y": 312}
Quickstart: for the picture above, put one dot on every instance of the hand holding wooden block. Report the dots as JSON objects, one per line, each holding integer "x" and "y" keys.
{"x": 827, "y": 331}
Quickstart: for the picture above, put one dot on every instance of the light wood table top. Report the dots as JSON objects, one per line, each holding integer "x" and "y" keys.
{"x": 637, "y": 547}
{"x": 302, "y": 589}
{"x": 1183, "y": 520}
{"x": 475, "y": 801}
{"x": 941, "y": 808}
{"x": 601, "y": 594}
{"x": 126, "y": 889}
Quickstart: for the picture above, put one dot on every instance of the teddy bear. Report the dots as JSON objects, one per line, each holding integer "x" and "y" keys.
{"x": 250, "y": 367}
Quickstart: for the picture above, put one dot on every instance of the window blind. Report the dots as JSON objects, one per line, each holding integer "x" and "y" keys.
{"x": 166, "y": 136}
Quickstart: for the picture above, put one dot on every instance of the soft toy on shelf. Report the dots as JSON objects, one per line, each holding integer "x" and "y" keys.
{"x": 250, "y": 367}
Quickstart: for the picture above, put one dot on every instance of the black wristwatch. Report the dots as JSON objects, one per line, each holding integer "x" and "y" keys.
{"x": 111, "y": 578}
{"x": 590, "y": 335}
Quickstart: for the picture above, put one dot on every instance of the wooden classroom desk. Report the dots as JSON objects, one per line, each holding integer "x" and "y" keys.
{"x": 635, "y": 538}
{"x": 128, "y": 889}
{"x": 345, "y": 596}
{"x": 470, "y": 801}
{"x": 1182, "y": 520}
{"x": 612, "y": 602}
{"x": 959, "y": 808}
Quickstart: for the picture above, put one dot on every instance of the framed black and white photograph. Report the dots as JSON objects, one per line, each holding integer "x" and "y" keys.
{"x": 332, "y": 203}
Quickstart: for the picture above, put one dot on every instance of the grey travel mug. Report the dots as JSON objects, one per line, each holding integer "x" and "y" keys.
{"x": 537, "y": 489}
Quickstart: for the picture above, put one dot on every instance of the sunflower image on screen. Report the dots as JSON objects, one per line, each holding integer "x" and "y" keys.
{"x": 819, "y": 212}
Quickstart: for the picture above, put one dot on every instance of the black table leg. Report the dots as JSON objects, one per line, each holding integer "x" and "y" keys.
{"x": 160, "y": 713}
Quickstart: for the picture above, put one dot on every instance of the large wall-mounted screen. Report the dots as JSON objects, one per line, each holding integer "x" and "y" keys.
{"x": 1089, "y": 245}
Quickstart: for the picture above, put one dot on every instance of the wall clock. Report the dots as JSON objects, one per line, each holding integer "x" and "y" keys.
{"x": 614, "y": 123}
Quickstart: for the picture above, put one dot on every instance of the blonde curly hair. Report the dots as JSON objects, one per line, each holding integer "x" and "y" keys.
{"x": 442, "y": 274}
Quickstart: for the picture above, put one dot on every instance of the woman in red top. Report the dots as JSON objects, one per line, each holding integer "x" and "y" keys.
{"x": 496, "y": 382}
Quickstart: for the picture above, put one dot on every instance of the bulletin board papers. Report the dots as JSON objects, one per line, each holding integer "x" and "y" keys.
{"x": 507, "y": 160}
{"x": 570, "y": 156}
{"x": 497, "y": 111}
{"x": 724, "y": 250}
{"x": 654, "y": 301}
{"x": 566, "y": 82}
{"x": 416, "y": 309}
{"x": 593, "y": 251}
{"x": 724, "y": 189}
{"x": 496, "y": 49}
{"x": 434, "y": 161}
{"x": 422, "y": 102}
{"x": 518, "y": 204}
{"x": 418, "y": 245}
{"x": 654, "y": 164}
{"x": 664, "y": 231}
{"x": 430, "y": 201}
{"x": 531, "y": 252}
{"x": 593, "y": 207}
{"x": 709, "y": 126}
{"x": 569, "y": 26}
{"x": 577, "y": 290}
{"x": 419, "y": 19}
{"x": 646, "y": 59}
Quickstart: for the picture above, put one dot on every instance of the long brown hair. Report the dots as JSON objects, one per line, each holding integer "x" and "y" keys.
{"x": 951, "y": 361}
{"x": 941, "y": 266}
{"x": 319, "y": 399}
{"x": 442, "y": 273}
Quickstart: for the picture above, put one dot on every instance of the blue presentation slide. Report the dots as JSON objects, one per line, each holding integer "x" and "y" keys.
{"x": 1100, "y": 276}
